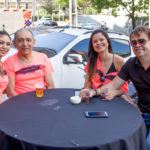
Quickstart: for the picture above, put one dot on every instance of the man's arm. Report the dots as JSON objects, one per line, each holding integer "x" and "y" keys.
{"x": 49, "y": 81}
{"x": 11, "y": 86}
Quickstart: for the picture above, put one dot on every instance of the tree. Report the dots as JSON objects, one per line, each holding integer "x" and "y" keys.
{"x": 49, "y": 6}
{"x": 83, "y": 5}
{"x": 133, "y": 8}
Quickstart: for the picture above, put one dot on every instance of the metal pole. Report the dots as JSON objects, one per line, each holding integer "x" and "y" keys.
{"x": 6, "y": 4}
{"x": 16, "y": 4}
{"x": 73, "y": 12}
{"x": 33, "y": 11}
{"x": 76, "y": 13}
{"x": 70, "y": 12}
{"x": 149, "y": 14}
{"x": 37, "y": 9}
{"x": 59, "y": 13}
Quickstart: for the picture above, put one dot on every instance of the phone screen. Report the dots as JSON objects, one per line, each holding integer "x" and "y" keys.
{"x": 98, "y": 114}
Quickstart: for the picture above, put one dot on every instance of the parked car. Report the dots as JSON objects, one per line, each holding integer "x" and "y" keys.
{"x": 91, "y": 26}
{"x": 67, "y": 50}
{"x": 50, "y": 23}
{"x": 42, "y": 21}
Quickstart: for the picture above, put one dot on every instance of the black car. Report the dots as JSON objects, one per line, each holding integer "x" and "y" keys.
{"x": 50, "y": 23}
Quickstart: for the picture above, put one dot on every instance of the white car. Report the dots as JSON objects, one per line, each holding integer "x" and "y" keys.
{"x": 91, "y": 26}
{"x": 67, "y": 50}
{"x": 42, "y": 21}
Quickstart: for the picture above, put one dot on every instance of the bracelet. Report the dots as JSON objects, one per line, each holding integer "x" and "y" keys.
{"x": 95, "y": 92}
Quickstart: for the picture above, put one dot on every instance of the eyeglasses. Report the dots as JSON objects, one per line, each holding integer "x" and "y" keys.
{"x": 139, "y": 41}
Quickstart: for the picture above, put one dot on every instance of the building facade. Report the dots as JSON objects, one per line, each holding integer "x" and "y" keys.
{"x": 19, "y": 4}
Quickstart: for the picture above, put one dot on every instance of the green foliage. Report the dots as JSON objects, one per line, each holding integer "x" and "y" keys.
{"x": 114, "y": 12}
{"x": 134, "y": 8}
{"x": 83, "y": 6}
{"x": 48, "y": 6}
{"x": 63, "y": 3}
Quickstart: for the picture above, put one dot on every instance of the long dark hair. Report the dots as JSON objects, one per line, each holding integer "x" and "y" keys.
{"x": 3, "y": 33}
{"x": 92, "y": 55}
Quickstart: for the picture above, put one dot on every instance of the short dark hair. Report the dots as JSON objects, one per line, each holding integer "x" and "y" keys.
{"x": 22, "y": 29}
{"x": 137, "y": 30}
{"x": 2, "y": 33}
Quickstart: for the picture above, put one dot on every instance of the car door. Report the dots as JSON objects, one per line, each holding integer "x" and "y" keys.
{"x": 73, "y": 74}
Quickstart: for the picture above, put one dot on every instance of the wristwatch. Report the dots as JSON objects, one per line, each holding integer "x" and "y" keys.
{"x": 95, "y": 91}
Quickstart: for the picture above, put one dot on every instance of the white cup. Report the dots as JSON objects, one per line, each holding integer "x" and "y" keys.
{"x": 75, "y": 99}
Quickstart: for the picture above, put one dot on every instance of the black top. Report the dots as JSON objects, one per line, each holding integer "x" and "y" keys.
{"x": 53, "y": 123}
{"x": 112, "y": 67}
{"x": 141, "y": 79}
{"x": 108, "y": 75}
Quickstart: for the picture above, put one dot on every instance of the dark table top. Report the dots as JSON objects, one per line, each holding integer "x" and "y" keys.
{"x": 52, "y": 122}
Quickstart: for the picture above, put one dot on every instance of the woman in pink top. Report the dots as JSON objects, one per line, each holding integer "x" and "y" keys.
{"x": 102, "y": 67}
{"x": 5, "y": 42}
{"x": 27, "y": 68}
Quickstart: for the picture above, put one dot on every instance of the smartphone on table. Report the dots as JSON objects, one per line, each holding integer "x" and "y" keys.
{"x": 96, "y": 114}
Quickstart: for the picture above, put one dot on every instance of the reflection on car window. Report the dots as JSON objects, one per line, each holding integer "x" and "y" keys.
{"x": 49, "y": 52}
{"x": 81, "y": 48}
{"x": 121, "y": 47}
{"x": 54, "y": 40}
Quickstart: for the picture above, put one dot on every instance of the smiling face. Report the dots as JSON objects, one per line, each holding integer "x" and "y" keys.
{"x": 140, "y": 49}
{"x": 5, "y": 44}
{"x": 24, "y": 42}
{"x": 100, "y": 43}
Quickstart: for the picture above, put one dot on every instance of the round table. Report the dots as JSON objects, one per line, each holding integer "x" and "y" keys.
{"x": 52, "y": 122}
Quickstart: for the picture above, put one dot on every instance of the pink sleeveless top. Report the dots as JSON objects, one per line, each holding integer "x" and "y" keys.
{"x": 99, "y": 79}
{"x": 3, "y": 84}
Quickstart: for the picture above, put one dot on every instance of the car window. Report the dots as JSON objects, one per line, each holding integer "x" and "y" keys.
{"x": 55, "y": 41}
{"x": 121, "y": 47}
{"x": 49, "y": 52}
{"x": 81, "y": 48}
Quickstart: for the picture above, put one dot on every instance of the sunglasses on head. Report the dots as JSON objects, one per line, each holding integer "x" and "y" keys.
{"x": 139, "y": 41}
{"x": 102, "y": 79}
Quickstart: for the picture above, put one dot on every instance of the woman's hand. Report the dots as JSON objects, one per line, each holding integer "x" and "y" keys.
{"x": 90, "y": 91}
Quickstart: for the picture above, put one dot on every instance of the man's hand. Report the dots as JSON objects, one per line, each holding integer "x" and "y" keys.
{"x": 108, "y": 95}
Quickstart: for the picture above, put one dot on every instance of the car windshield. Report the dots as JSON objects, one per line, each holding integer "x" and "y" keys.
{"x": 52, "y": 41}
